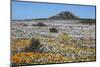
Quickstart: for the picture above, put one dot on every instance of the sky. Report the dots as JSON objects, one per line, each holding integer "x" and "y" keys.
{"x": 29, "y": 10}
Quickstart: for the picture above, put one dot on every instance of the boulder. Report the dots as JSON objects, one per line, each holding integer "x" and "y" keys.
{"x": 39, "y": 24}
{"x": 33, "y": 46}
{"x": 53, "y": 30}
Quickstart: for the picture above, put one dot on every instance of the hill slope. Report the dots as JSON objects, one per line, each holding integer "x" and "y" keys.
{"x": 64, "y": 15}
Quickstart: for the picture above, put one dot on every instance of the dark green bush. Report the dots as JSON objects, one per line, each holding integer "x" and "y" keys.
{"x": 53, "y": 30}
{"x": 34, "y": 45}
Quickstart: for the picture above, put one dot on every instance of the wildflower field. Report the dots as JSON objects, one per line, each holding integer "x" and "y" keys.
{"x": 52, "y": 42}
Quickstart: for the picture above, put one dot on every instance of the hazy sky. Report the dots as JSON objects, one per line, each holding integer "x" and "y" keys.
{"x": 29, "y": 10}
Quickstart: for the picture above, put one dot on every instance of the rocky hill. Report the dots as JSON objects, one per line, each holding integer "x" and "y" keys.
{"x": 64, "y": 15}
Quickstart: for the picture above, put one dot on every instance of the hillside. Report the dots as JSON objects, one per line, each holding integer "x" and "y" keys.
{"x": 64, "y": 15}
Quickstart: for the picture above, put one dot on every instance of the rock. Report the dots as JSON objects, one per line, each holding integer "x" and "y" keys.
{"x": 33, "y": 24}
{"x": 34, "y": 45}
{"x": 25, "y": 25}
{"x": 53, "y": 30}
{"x": 39, "y": 24}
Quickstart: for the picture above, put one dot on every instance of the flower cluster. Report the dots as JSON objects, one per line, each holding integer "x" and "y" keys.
{"x": 59, "y": 49}
{"x": 20, "y": 43}
{"x": 38, "y": 58}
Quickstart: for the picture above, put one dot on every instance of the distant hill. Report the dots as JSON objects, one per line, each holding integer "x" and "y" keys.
{"x": 64, "y": 15}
